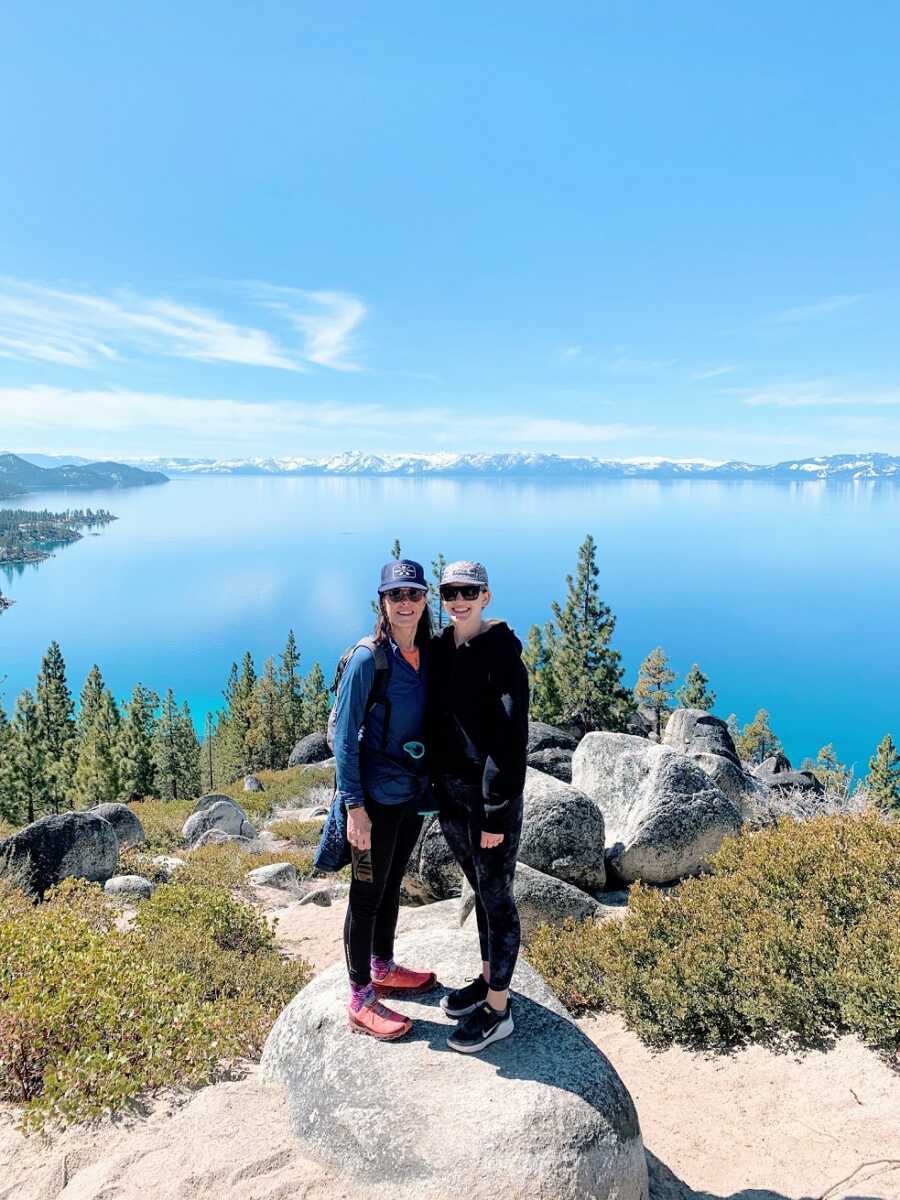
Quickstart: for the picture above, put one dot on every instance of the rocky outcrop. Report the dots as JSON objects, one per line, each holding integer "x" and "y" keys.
{"x": 664, "y": 816}
{"x": 433, "y": 873}
{"x": 540, "y": 899}
{"x": 277, "y": 875}
{"x": 128, "y": 829}
{"x": 541, "y": 1113}
{"x": 129, "y": 887}
{"x": 310, "y": 749}
{"x": 79, "y": 844}
{"x": 221, "y": 814}
{"x": 542, "y": 736}
{"x": 252, "y": 784}
{"x": 706, "y": 740}
{"x": 555, "y": 761}
{"x": 775, "y": 764}
{"x": 781, "y": 780}
{"x": 562, "y": 832}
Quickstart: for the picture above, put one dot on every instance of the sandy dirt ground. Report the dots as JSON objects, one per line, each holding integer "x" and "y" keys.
{"x": 752, "y": 1126}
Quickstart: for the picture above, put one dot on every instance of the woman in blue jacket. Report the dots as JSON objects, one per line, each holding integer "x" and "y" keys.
{"x": 378, "y": 745}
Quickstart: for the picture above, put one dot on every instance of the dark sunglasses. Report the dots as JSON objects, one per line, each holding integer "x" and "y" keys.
{"x": 395, "y": 595}
{"x": 469, "y": 591}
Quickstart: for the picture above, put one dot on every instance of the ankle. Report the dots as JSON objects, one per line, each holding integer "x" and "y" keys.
{"x": 360, "y": 995}
{"x": 381, "y": 967}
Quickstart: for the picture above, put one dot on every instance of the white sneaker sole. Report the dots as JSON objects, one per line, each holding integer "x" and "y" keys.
{"x": 503, "y": 1030}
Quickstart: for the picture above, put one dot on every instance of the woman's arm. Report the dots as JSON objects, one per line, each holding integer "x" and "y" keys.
{"x": 350, "y": 713}
{"x": 504, "y": 769}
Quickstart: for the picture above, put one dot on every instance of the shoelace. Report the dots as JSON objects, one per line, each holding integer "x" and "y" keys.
{"x": 381, "y": 1011}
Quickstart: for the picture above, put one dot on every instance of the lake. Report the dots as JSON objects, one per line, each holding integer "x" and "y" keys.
{"x": 787, "y": 595}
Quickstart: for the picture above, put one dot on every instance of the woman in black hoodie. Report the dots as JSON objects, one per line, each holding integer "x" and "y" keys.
{"x": 479, "y": 736}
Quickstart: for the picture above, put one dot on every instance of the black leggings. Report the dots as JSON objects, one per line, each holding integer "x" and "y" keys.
{"x": 490, "y": 872}
{"x": 374, "y": 903}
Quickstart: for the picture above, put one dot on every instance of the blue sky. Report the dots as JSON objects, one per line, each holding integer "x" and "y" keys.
{"x": 606, "y": 228}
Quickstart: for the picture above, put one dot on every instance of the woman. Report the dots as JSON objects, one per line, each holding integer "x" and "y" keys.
{"x": 479, "y": 719}
{"x": 378, "y": 747}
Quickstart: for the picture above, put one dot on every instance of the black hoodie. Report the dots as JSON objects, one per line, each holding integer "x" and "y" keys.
{"x": 478, "y": 715}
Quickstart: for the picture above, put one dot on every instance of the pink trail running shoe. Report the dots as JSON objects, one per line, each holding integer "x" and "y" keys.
{"x": 379, "y": 1021}
{"x": 403, "y": 981}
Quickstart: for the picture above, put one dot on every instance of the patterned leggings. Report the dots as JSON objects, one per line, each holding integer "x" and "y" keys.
{"x": 490, "y": 873}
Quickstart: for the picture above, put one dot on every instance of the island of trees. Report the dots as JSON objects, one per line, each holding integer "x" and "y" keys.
{"x": 28, "y": 535}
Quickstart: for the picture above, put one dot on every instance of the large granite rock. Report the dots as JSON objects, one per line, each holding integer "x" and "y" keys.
{"x": 542, "y": 1113}
{"x": 433, "y": 873}
{"x": 540, "y": 899}
{"x": 562, "y": 832}
{"x": 542, "y": 736}
{"x": 553, "y": 761}
{"x": 664, "y": 816}
{"x": 79, "y": 844}
{"x": 778, "y": 777}
{"x": 222, "y": 815}
{"x": 773, "y": 765}
{"x": 694, "y": 731}
{"x": 310, "y": 749}
{"x": 128, "y": 828}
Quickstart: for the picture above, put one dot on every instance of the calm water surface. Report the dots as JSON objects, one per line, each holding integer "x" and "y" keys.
{"x": 787, "y": 595}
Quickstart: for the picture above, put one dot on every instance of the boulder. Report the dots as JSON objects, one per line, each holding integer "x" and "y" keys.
{"x": 638, "y": 725}
{"x": 553, "y": 761}
{"x": 790, "y": 781}
{"x": 277, "y": 875}
{"x": 319, "y": 896}
{"x": 79, "y": 844}
{"x": 212, "y": 798}
{"x": 218, "y": 837}
{"x": 167, "y": 865}
{"x": 542, "y": 1113}
{"x": 310, "y": 749}
{"x": 222, "y": 814}
{"x": 562, "y": 832}
{"x": 749, "y": 795}
{"x": 128, "y": 829}
{"x": 693, "y": 731}
{"x": 664, "y": 816}
{"x": 129, "y": 887}
{"x": 433, "y": 873}
{"x": 773, "y": 765}
{"x": 540, "y": 899}
{"x": 547, "y": 737}
{"x": 252, "y": 784}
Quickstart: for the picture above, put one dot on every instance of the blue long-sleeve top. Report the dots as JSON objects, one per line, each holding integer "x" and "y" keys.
{"x": 363, "y": 766}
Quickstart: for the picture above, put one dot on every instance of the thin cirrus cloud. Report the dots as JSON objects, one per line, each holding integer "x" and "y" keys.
{"x": 809, "y": 312}
{"x": 813, "y": 394}
{"x": 81, "y": 329}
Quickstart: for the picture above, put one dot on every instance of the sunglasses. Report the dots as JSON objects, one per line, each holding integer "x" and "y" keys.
{"x": 469, "y": 591}
{"x": 395, "y": 595}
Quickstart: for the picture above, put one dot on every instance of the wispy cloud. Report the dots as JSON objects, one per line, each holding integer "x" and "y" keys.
{"x": 82, "y": 329}
{"x": 808, "y": 312}
{"x": 814, "y": 393}
{"x": 570, "y": 352}
{"x": 713, "y": 372}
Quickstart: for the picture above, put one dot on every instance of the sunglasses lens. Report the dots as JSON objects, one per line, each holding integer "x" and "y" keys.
{"x": 395, "y": 595}
{"x": 471, "y": 592}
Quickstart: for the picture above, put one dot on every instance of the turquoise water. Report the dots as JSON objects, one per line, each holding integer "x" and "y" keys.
{"x": 787, "y": 595}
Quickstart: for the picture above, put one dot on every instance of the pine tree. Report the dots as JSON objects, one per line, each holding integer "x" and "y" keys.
{"x": 757, "y": 741}
{"x": 89, "y": 700}
{"x": 291, "y": 692}
{"x": 96, "y": 779}
{"x": 167, "y": 749}
{"x": 694, "y": 692}
{"x": 396, "y": 552}
{"x": 188, "y": 750}
{"x": 56, "y": 722}
{"x": 266, "y": 736}
{"x": 538, "y": 659}
{"x": 434, "y": 592}
{"x": 652, "y": 687}
{"x": 29, "y": 782}
{"x": 733, "y": 728}
{"x": 883, "y": 781}
{"x": 11, "y": 808}
{"x": 833, "y": 776}
{"x": 134, "y": 749}
{"x": 588, "y": 671}
{"x": 316, "y": 701}
{"x": 232, "y": 751}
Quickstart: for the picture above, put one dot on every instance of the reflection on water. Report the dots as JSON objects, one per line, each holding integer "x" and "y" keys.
{"x": 784, "y": 593}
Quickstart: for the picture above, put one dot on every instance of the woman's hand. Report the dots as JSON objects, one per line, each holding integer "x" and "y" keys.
{"x": 359, "y": 828}
{"x": 490, "y": 840}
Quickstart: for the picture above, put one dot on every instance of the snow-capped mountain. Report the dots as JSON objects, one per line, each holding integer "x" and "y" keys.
{"x": 533, "y": 465}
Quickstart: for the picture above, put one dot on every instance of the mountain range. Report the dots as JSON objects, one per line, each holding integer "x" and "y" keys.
{"x": 19, "y": 474}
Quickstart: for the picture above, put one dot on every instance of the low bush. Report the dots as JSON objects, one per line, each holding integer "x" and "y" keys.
{"x": 227, "y": 865}
{"x": 296, "y": 787}
{"x": 91, "y": 1017}
{"x": 303, "y": 833}
{"x": 794, "y": 937}
{"x": 163, "y": 821}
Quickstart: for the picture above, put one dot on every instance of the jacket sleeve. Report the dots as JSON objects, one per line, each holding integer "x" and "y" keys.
{"x": 350, "y": 713}
{"x": 504, "y": 768}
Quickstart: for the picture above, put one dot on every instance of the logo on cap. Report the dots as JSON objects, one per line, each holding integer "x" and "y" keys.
{"x": 404, "y": 570}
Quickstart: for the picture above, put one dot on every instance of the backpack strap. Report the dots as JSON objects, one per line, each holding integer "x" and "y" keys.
{"x": 378, "y": 694}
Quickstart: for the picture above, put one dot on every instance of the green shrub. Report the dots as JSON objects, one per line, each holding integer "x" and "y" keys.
{"x": 294, "y": 788}
{"x": 162, "y": 821}
{"x": 304, "y": 833}
{"x": 91, "y": 1017}
{"x": 227, "y": 865}
{"x": 794, "y": 937}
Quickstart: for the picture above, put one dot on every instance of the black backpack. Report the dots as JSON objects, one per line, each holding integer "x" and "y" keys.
{"x": 378, "y": 694}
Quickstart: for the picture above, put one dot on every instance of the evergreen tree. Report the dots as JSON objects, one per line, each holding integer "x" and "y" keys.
{"x": 28, "y": 781}
{"x": 538, "y": 659}
{"x": 189, "y": 775}
{"x": 96, "y": 779}
{"x": 396, "y": 552}
{"x": 291, "y": 692}
{"x": 833, "y": 776}
{"x": 134, "y": 750}
{"x": 167, "y": 749}
{"x": 266, "y": 735}
{"x": 434, "y": 592}
{"x": 316, "y": 701}
{"x": 588, "y": 671}
{"x": 883, "y": 781}
{"x": 757, "y": 741}
{"x": 89, "y": 701}
{"x": 733, "y": 728}
{"x": 11, "y": 808}
{"x": 56, "y": 722}
{"x": 233, "y": 757}
{"x": 694, "y": 692}
{"x": 652, "y": 687}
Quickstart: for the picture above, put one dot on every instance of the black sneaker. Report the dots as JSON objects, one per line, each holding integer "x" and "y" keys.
{"x": 465, "y": 999}
{"x": 480, "y": 1028}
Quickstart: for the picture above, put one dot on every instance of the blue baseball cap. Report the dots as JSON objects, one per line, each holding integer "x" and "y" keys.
{"x": 400, "y": 573}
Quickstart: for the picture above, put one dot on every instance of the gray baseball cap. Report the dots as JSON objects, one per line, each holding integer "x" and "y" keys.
{"x": 465, "y": 572}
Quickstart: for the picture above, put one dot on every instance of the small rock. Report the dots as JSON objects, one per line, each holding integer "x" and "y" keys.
{"x": 168, "y": 864}
{"x": 132, "y": 887}
{"x": 277, "y": 875}
{"x": 252, "y": 784}
{"x": 320, "y": 896}
{"x": 310, "y": 749}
